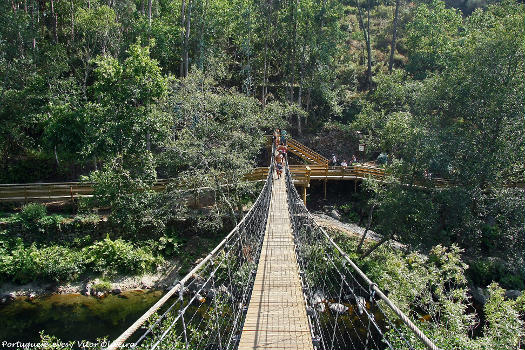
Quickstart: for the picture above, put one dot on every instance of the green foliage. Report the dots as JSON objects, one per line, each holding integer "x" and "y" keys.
{"x": 102, "y": 286}
{"x": 62, "y": 264}
{"x": 54, "y": 263}
{"x": 32, "y": 213}
{"x": 118, "y": 256}
{"x": 432, "y": 289}
{"x": 483, "y": 272}
{"x": 432, "y": 37}
{"x": 50, "y": 342}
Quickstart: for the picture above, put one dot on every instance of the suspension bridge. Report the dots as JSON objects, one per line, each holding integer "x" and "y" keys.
{"x": 276, "y": 281}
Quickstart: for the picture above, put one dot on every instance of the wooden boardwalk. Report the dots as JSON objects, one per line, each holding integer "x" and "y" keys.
{"x": 276, "y": 317}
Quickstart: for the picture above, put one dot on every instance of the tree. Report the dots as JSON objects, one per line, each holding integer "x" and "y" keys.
{"x": 126, "y": 121}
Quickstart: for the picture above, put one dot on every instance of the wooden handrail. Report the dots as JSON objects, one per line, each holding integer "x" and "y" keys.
{"x": 294, "y": 145}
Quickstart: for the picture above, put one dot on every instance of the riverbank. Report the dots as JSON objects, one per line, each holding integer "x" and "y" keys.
{"x": 164, "y": 278}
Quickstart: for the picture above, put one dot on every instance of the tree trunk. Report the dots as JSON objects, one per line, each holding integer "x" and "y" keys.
{"x": 187, "y": 40}
{"x": 366, "y": 35}
{"x": 394, "y": 35}
{"x": 56, "y": 157}
{"x": 265, "y": 71}
{"x": 369, "y": 47}
{"x": 149, "y": 11}
{"x": 201, "y": 40}
{"x": 294, "y": 43}
{"x": 268, "y": 9}
{"x": 33, "y": 27}
{"x": 308, "y": 99}
{"x": 55, "y": 20}
{"x": 377, "y": 245}
{"x": 359, "y": 247}
{"x": 72, "y": 21}
{"x": 182, "y": 24}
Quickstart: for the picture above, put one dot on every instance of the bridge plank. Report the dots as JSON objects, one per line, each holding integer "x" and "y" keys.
{"x": 276, "y": 317}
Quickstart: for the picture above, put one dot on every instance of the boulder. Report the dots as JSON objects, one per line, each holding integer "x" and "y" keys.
{"x": 87, "y": 289}
{"x": 361, "y": 305}
{"x": 479, "y": 295}
{"x": 116, "y": 291}
{"x": 338, "y": 308}
{"x": 512, "y": 294}
{"x": 210, "y": 294}
{"x": 321, "y": 307}
{"x": 335, "y": 214}
{"x": 7, "y": 298}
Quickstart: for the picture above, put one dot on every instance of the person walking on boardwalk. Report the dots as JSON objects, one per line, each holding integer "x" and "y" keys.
{"x": 283, "y": 137}
{"x": 279, "y": 164}
{"x": 334, "y": 160}
{"x": 276, "y": 136}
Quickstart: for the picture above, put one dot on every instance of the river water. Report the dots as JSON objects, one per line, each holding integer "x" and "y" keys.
{"x": 72, "y": 317}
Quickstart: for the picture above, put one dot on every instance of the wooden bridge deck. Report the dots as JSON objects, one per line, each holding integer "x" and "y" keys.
{"x": 276, "y": 317}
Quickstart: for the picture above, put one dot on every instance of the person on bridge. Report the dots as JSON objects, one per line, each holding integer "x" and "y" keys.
{"x": 334, "y": 160}
{"x": 344, "y": 164}
{"x": 283, "y": 137}
{"x": 282, "y": 149}
{"x": 279, "y": 164}
{"x": 276, "y": 136}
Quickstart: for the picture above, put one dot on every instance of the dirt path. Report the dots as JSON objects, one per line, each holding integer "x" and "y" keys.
{"x": 352, "y": 229}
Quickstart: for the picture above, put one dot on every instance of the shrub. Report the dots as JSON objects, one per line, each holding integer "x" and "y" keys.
{"x": 118, "y": 256}
{"x": 102, "y": 286}
{"x": 31, "y": 213}
{"x": 54, "y": 263}
{"x": 58, "y": 263}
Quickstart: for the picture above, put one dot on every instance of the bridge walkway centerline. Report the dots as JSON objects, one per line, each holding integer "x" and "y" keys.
{"x": 276, "y": 316}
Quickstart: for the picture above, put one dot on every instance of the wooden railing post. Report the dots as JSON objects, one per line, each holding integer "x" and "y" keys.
{"x": 308, "y": 174}
{"x": 325, "y": 179}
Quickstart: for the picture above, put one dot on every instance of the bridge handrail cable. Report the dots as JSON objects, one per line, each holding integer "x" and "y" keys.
{"x": 302, "y": 220}
{"x": 179, "y": 287}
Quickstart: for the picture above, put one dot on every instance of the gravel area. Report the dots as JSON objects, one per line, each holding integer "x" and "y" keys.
{"x": 352, "y": 229}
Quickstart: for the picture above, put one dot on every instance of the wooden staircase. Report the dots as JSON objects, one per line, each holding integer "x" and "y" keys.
{"x": 306, "y": 153}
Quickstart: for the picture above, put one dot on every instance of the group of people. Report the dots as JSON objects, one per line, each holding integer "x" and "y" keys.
{"x": 279, "y": 139}
{"x": 344, "y": 164}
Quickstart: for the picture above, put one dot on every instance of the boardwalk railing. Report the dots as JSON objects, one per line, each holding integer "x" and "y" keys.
{"x": 43, "y": 192}
{"x": 34, "y": 192}
{"x": 206, "y": 309}
{"x": 306, "y": 153}
{"x": 347, "y": 311}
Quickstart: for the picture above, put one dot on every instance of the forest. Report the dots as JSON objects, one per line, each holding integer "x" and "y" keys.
{"x": 122, "y": 93}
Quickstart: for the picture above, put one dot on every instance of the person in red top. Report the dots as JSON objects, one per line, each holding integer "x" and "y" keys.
{"x": 279, "y": 164}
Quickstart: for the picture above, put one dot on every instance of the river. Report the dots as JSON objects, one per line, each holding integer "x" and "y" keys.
{"x": 73, "y": 317}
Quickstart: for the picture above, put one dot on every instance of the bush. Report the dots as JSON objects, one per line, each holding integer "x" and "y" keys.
{"x": 31, "y": 213}
{"x": 102, "y": 286}
{"x": 118, "y": 256}
{"x": 54, "y": 263}
{"x": 62, "y": 264}
{"x": 58, "y": 263}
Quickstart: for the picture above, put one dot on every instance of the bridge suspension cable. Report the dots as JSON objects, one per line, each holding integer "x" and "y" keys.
{"x": 346, "y": 310}
{"x": 206, "y": 308}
